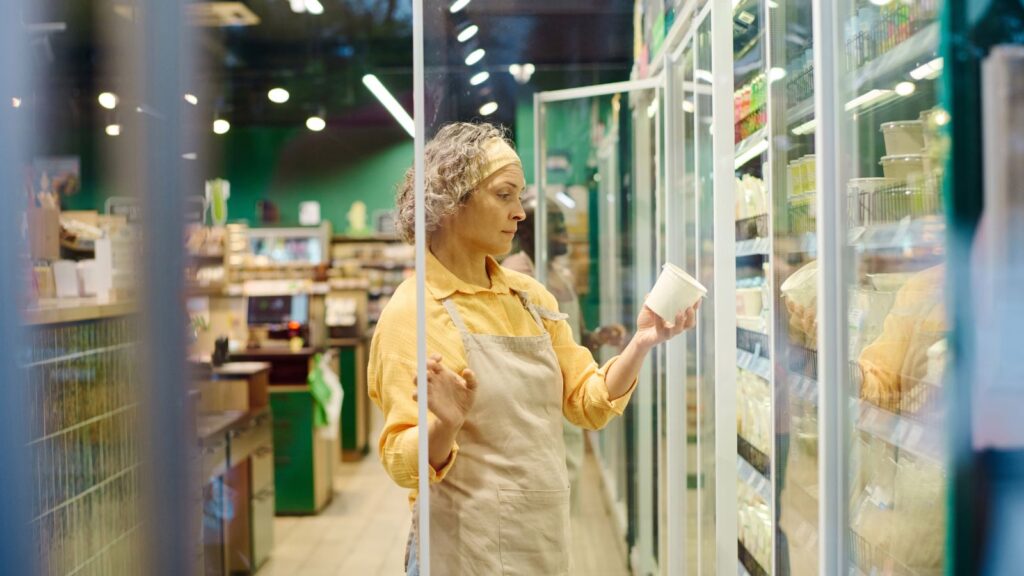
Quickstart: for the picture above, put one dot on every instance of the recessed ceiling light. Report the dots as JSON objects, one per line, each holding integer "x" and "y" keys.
{"x": 489, "y": 108}
{"x": 776, "y": 73}
{"x": 191, "y": 99}
{"x": 314, "y": 7}
{"x": 16, "y": 102}
{"x": 113, "y": 130}
{"x": 475, "y": 56}
{"x": 479, "y": 78}
{"x": 278, "y": 95}
{"x": 468, "y": 33}
{"x": 906, "y": 88}
{"x": 688, "y": 106}
{"x": 315, "y": 123}
{"x": 190, "y": 156}
{"x": 458, "y": 5}
{"x": 221, "y": 126}
{"x": 108, "y": 100}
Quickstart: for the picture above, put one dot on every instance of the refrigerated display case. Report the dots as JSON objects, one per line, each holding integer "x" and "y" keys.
{"x": 889, "y": 167}
{"x": 754, "y": 310}
{"x": 794, "y": 280}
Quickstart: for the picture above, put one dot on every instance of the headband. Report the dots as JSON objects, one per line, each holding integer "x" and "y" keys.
{"x": 497, "y": 154}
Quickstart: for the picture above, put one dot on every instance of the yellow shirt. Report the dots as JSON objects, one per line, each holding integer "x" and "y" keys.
{"x": 496, "y": 310}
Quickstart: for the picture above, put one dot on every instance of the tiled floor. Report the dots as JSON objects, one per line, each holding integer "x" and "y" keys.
{"x": 363, "y": 531}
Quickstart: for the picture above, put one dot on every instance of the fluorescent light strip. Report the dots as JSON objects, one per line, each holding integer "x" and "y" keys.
{"x": 928, "y": 70}
{"x": 566, "y": 200}
{"x": 806, "y": 128}
{"x": 867, "y": 99}
{"x": 468, "y": 33}
{"x": 754, "y": 151}
{"x": 389, "y": 102}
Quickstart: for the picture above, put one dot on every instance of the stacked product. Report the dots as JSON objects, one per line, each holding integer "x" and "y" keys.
{"x": 875, "y": 30}
{"x": 750, "y": 112}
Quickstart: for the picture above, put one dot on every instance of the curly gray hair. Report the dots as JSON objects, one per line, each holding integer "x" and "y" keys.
{"x": 454, "y": 160}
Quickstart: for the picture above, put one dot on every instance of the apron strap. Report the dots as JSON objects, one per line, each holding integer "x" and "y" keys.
{"x": 456, "y": 317}
{"x": 539, "y": 312}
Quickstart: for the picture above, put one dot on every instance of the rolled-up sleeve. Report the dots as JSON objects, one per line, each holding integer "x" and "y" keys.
{"x": 391, "y": 383}
{"x": 585, "y": 399}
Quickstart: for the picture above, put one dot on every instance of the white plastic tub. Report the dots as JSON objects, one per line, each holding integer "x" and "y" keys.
{"x": 902, "y": 138}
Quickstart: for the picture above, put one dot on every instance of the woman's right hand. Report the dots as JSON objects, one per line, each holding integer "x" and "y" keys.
{"x": 449, "y": 395}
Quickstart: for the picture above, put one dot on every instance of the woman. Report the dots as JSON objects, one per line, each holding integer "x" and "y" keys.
{"x": 502, "y": 370}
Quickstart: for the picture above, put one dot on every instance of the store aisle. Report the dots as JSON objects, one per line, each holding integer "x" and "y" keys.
{"x": 364, "y": 529}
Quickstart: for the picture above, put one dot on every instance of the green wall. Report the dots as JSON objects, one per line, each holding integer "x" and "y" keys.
{"x": 288, "y": 166}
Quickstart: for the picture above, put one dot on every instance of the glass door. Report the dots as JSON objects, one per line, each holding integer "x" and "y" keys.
{"x": 893, "y": 268}
{"x": 689, "y": 225}
{"x": 598, "y": 205}
{"x": 795, "y": 288}
{"x": 754, "y": 379}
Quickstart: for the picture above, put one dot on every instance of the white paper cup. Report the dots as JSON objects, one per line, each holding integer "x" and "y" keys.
{"x": 674, "y": 291}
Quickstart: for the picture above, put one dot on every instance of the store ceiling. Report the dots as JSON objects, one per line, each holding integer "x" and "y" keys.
{"x": 321, "y": 59}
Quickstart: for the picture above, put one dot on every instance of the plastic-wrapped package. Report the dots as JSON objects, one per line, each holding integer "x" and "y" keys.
{"x": 800, "y": 294}
{"x": 920, "y": 506}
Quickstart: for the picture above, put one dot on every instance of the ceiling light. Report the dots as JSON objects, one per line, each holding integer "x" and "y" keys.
{"x": 776, "y": 73}
{"x": 479, "y": 78}
{"x": 458, "y": 5}
{"x": 190, "y": 156}
{"x": 315, "y": 123}
{"x": 927, "y": 71}
{"x": 806, "y": 128}
{"x": 314, "y": 7}
{"x": 522, "y": 72}
{"x": 16, "y": 102}
{"x": 881, "y": 2}
{"x": 566, "y": 200}
{"x": 113, "y": 129}
{"x": 652, "y": 108}
{"x": 298, "y": 6}
{"x": 389, "y": 102}
{"x": 905, "y": 88}
{"x": 221, "y": 126}
{"x": 191, "y": 99}
{"x": 108, "y": 100}
{"x": 468, "y": 33}
{"x": 489, "y": 108}
{"x": 278, "y": 95}
{"x": 867, "y": 99}
{"x": 941, "y": 118}
{"x": 475, "y": 56}
{"x": 688, "y": 106}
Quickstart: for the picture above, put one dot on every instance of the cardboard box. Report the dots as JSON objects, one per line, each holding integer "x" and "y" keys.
{"x": 44, "y": 233}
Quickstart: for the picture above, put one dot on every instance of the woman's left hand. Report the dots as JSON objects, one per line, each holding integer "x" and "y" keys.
{"x": 652, "y": 330}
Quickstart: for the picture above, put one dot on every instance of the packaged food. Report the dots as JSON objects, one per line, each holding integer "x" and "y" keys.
{"x": 904, "y": 137}
{"x": 904, "y": 167}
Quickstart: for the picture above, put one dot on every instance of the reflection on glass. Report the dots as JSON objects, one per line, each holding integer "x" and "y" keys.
{"x": 897, "y": 330}
{"x": 794, "y": 222}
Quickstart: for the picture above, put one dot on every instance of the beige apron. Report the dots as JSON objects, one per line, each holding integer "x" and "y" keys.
{"x": 503, "y": 508}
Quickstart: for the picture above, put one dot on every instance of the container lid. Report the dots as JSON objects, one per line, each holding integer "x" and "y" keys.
{"x": 689, "y": 279}
{"x": 902, "y": 124}
{"x": 906, "y": 158}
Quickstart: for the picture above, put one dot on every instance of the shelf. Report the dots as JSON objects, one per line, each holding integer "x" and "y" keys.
{"x": 751, "y": 147}
{"x": 757, "y": 365}
{"x": 753, "y": 247}
{"x": 754, "y": 479}
{"x": 747, "y": 560}
{"x": 901, "y": 432}
{"x": 927, "y": 233}
{"x": 65, "y": 310}
{"x": 914, "y": 51}
{"x": 801, "y": 112}
{"x": 753, "y": 342}
{"x": 343, "y": 239}
{"x": 755, "y": 458}
{"x": 804, "y": 387}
